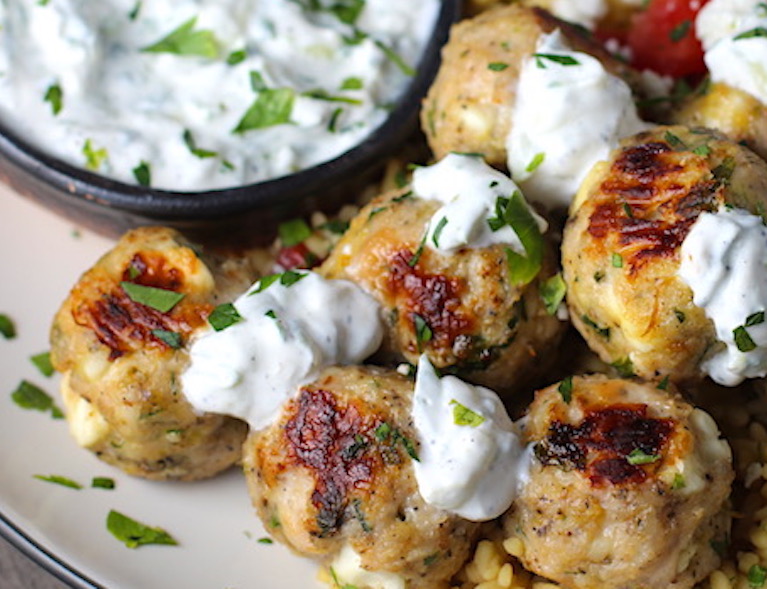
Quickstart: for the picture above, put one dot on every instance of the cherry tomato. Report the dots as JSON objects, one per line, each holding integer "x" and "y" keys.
{"x": 296, "y": 256}
{"x": 662, "y": 38}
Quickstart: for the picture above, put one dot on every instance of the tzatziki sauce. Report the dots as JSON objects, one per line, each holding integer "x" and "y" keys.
{"x": 469, "y": 190}
{"x": 348, "y": 572}
{"x": 724, "y": 262}
{"x": 193, "y": 95}
{"x": 570, "y": 112}
{"x": 733, "y": 35}
{"x": 582, "y": 12}
{"x": 471, "y": 460}
{"x": 290, "y": 329}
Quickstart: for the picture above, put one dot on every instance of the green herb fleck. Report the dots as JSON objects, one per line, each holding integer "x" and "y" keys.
{"x": 42, "y": 362}
{"x": 423, "y": 333}
{"x": 395, "y": 59}
{"x": 535, "y": 162}
{"x": 133, "y": 14}
{"x": 462, "y": 415}
{"x": 186, "y": 41}
{"x": 553, "y": 291}
{"x": 103, "y": 483}
{"x": 624, "y": 367}
{"x": 515, "y": 213}
{"x": 602, "y": 331}
{"x": 565, "y": 389}
{"x": 94, "y": 158}
{"x": 663, "y": 384}
{"x": 59, "y": 480}
{"x": 757, "y": 575}
{"x": 702, "y": 150}
{"x": 134, "y": 534}
{"x": 352, "y": 83}
{"x": 143, "y": 174}
{"x": 382, "y": 431}
{"x": 680, "y": 31}
{"x": 293, "y": 232}
{"x": 743, "y": 340}
{"x": 639, "y": 457}
{"x": 431, "y": 559}
{"x": 32, "y": 397}
{"x": 265, "y": 540}
{"x": 223, "y": 316}
{"x": 7, "y": 326}
{"x": 286, "y": 279}
{"x": 55, "y": 96}
{"x": 565, "y": 60}
{"x": 194, "y": 150}
{"x": 674, "y": 140}
{"x": 412, "y": 262}
{"x": 617, "y": 260}
{"x": 236, "y": 57}
{"x": 159, "y": 299}
{"x": 169, "y": 338}
{"x": 723, "y": 172}
{"x": 755, "y": 319}
{"x": 272, "y": 107}
{"x": 497, "y": 66}
{"x": 438, "y": 231}
{"x": 678, "y": 482}
{"x": 756, "y": 32}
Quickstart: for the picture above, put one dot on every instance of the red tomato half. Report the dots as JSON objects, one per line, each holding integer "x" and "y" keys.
{"x": 662, "y": 38}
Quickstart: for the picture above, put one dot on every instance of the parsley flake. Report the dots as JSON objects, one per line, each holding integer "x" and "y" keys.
{"x": 757, "y": 576}
{"x": 7, "y": 326}
{"x": 743, "y": 340}
{"x": 639, "y": 457}
{"x": 553, "y": 291}
{"x": 42, "y": 362}
{"x": 59, "y": 480}
{"x": 462, "y": 415}
{"x": 293, "y": 232}
{"x": 223, "y": 316}
{"x": 395, "y": 59}
{"x": 159, "y": 299}
{"x": 438, "y": 231}
{"x": 286, "y": 279}
{"x": 191, "y": 144}
{"x": 272, "y": 107}
{"x": 103, "y": 483}
{"x": 497, "y": 66}
{"x": 423, "y": 333}
{"x": 169, "y": 338}
{"x": 134, "y": 534}
{"x": 55, "y": 96}
{"x": 236, "y": 57}
{"x": 94, "y": 158}
{"x": 31, "y": 397}
{"x": 143, "y": 174}
{"x": 565, "y": 389}
{"x": 535, "y": 162}
{"x": 680, "y": 31}
{"x": 185, "y": 41}
{"x": 565, "y": 60}
{"x": 756, "y": 32}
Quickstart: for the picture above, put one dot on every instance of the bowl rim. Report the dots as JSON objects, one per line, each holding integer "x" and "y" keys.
{"x": 82, "y": 184}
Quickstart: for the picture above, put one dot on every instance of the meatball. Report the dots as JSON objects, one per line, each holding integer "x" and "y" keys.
{"x": 334, "y": 476}
{"x": 122, "y": 354}
{"x": 469, "y": 106}
{"x": 620, "y": 250}
{"x": 627, "y": 488}
{"x": 737, "y": 114}
{"x": 460, "y": 309}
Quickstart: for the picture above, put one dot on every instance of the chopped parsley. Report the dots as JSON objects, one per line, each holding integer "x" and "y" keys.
{"x": 386, "y": 432}
{"x": 223, "y": 316}
{"x": 186, "y": 41}
{"x": 286, "y": 279}
{"x": 565, "y": 389}
{"x": 515, "y": 213}
{"x": 94, "y": 158}
{"x": 395, "y": 59}
{"x": 159, "y": 299}
{"x": 702, "y": 150}
{"x": 639, "y": 457}
{"x": 293, "y": 232}
{"x": 757, "y": 576}
{"x": 617, "y": 260}
{"x": 272, "y": 107}
{"x": 265, "y": 540}
{"x": 565, "y": 60}
{"x": 740, "y": 334}
{"x": 438, "y": 231}
{"x": 602, "y": 331}
{"x": 55, "y": 96}
{"x": 423, "y": 333}
{"x": 103, "y": 483}
{"x": 678, "y": 482}
{"x": 133, "y": 14}
{"x": 497, "y": 66}
{"x": 553, "y": 291}
{"x": 236, "y": 57}
{"x": 674, "y": 140}
{"x": 352, "y": 83}
{"x": 464, "y": 416}
{"x": 170, "y": 338}
{"x": 7, "y": 326}
{"x": 42, "y": 362}
{"x": 59, "y": 480}
{"x": 143, "y": 174}
{"x": 535, "y": 162}
{"x": 418, "y": 252}
{"x": 680, "y": 31}
{"x": 624, "y": 367}
{"x": 191, "y": 144}
{"x": 336, "y": 583}
{"x": 756, "y": 32}
{"x": 320, "y": 94}
{"x": 663, "y": 384}
{"x": 32, "y": 397}
{"x": 134, "y": 534}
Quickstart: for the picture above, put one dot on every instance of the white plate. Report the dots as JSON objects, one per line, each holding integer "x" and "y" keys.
{"x": 41, "y": 257}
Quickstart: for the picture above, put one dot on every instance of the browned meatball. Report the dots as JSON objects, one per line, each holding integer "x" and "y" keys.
{"x": 469, "y": 106}
{"x": 627, "y": 488}
{"x": 620, "y": 251}
{"x": 335, "y": 474}
{"x": 460, "y": 309}
{"x": 122, "y": 357}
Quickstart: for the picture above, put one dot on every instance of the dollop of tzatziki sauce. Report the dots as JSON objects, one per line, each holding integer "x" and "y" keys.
{"x": 288, "y": 328}
{"x": 724, "y": 262}
{"x": 734, "y": 37}
{"x": 469, "y": 191}
{"x": 471, "y": 459}
{"x": 192, "y": 95}
{"x": 570, "y": 112}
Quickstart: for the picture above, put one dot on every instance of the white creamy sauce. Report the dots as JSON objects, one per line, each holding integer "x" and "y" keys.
{"x": 137, "y": 105}
{"x": 287, "y": 335}
{"x": 724, "y": 262}
{"x": 569, "y": 114}
{"x": 468, "y": 189}
{"x": 471, "y": 460}
{"x": 733, "y": 54}
{"x": 583, "y": 12}
{"x": 347, "y": 566}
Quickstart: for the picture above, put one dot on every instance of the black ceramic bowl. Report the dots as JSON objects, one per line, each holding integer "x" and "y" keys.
{"x": 248, "y": 212}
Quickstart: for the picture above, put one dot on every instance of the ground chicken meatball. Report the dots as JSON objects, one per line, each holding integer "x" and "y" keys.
{"x": 333, "y": 476}
{"x": 469, "y": 106}
{"x": 620, "y": 251}
{"x": 627, "y": 487}
{"x": 737, "y": 114}
{"x": 459, "y": 309}
{"x": 122, "y": 353}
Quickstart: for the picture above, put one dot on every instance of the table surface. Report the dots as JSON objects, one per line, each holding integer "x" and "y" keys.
{"x": 17, "y": 571}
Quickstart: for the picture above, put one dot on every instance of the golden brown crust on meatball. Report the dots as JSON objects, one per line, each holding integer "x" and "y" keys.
{"x": 336, "y": 470}
{"x": 470, "y": 104}
{"x": 627, "y": 489}
{"x": 459, "y": 309}
{"x": 620, "y": 251}
{"x": 122, "y": 358}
